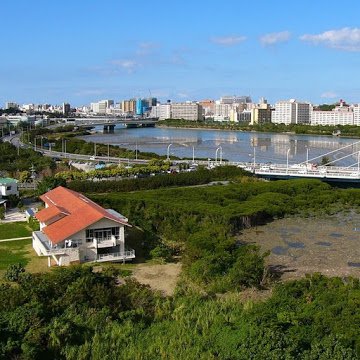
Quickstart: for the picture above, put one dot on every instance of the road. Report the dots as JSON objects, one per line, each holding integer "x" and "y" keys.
{"x": 15, "y": 140}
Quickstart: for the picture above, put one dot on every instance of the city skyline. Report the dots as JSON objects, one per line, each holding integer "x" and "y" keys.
{"x": 304, "y": 50}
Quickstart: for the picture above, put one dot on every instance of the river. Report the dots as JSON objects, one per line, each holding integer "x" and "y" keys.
{"x": 236, "y": 145}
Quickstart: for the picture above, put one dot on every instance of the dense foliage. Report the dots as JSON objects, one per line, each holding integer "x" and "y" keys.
{"x": 75, "y": 313}
{"x": 199, "y": 223}
{"x": 13, "y": 159}
{"x": 202, "y": 176}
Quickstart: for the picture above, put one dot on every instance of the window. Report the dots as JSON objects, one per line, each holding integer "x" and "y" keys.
{"x": 8, "y": 187}
{"x": 102, "y": 234}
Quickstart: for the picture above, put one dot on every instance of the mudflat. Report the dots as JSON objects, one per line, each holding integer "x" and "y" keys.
{"x": 329, "y": 245}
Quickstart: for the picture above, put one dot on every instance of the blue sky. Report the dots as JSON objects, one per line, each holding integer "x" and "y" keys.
{"x": 87, "y": 50}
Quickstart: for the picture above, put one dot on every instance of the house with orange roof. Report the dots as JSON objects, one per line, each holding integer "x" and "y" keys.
{"x": 74, "y": 229}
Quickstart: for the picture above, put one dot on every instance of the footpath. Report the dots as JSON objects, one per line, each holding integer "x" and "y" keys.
{"x": 16, "y": 239}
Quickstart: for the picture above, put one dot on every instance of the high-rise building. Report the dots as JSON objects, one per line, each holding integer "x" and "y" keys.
{"x": 186, "y": 111}
{"x": 140, "y": 104}
{"x": 291, "y": 112}
{"x": 128, "y": 106}
{"x": 356, "y": 110}
{"x": 261, "y": 113}
{"x": 65, "y": 108}
{"x": 161, "y": 111}
{"x": 340, "y": 115}
{"x": 11, "y": 105}
{"x": 101, "y": 107}
{"x": 234, "y": 99}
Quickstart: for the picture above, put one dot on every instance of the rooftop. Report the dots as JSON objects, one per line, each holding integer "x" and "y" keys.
{"x": 4, "y": 181}
{"x": 72, "y": 213}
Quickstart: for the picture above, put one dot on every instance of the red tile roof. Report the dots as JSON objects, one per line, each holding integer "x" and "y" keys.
{"x": 80, "y": 212}
{"x": 50, "y": 212}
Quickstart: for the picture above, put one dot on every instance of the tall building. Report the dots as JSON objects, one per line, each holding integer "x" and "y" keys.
{"x": 186, "y": 111}
{"x": 11, "y": 105}
{"x": 291, "y": 112}
{"x": 234, "y": 99}
{"x": 101, "y": 107}
{"x": 208, "y": 107}
{"x": 128, "y": 106}
{"x": 340, "y": 115}
{"x": 356, "y": 111}
{"x": 65, "y": 108}
{"x": 261, "y": 113}
{"x": 161, "y": 111}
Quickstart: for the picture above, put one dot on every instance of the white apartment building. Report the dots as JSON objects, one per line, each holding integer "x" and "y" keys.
{"x": 161, "y": 111}
{"x": 356, "y": 113}
{"x": 186, "y": 111}
{"x": 102, "y": 106}
{"x": 291, "y": 112}
{"x": 332, "y": 118}
{"x": 222, "y": 110}
{"x": 340, "y": 115}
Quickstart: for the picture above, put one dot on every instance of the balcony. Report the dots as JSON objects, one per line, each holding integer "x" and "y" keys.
{"x": 42, "y": 244}
{"x": 104, "y": 243}
{"x": 119, "y": 256}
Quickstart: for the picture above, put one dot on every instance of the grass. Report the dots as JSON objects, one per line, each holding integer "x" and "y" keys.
{"x": 13, "y": 252}
{"x": 14, "y": 230}
{"x": 21, "y": 251}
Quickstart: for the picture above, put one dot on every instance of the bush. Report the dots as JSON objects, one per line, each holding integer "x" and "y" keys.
{"x": 14, "y": 271}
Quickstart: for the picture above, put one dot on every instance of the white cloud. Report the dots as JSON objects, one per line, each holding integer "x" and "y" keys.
{"x": 329, "y": 95}
{"x": 228, "y": 40}
{"x": 274, "y": 38}
{"x": 127, "y": 65}
{"x": 347, "y": 39}
{"x": 145, "y": 48}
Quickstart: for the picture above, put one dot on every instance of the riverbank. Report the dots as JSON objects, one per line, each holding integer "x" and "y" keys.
{"x": 347, "y": 131}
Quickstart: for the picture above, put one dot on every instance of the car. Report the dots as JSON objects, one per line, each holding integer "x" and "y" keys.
{"x": 92, "y": 158}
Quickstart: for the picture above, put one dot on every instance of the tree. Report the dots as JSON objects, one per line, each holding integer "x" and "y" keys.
{"x": 14, "y": 272}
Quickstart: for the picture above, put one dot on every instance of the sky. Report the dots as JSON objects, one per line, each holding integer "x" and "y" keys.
{"x": 80, "y": 51}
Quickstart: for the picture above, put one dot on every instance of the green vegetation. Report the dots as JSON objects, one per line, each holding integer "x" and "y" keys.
{"x": 199, "y": 223}
{"x": 11, "y": 162}
{"x": 347, "y": 130}
{"x": 202, "y": 176}
{"x": 116, "y": 172}
{"x": 75, "y": 313}
{"x": 14, "y": 230}
{"x": 13, "y": 252}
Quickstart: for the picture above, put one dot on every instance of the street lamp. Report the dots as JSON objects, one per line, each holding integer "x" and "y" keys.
{"x": 287, "y": 160}
{"x": 216, "y": 154}
{"x": 65, "y": 148}
{"x": 168, "y": 152}
{"x": 307, "y": 155}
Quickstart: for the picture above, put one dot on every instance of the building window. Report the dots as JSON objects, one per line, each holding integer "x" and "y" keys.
{"x": 102, "y": 234}
{"x": 8, "y": 187}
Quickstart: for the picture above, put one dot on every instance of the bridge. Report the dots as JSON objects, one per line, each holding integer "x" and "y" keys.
{"x": 109, "y": 123}
{"x": 310, "y": 169}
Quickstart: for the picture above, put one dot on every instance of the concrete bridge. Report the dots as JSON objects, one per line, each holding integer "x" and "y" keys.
{"x": 109, "y": 123}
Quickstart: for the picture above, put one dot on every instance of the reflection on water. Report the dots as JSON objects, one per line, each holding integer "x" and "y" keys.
{"x": 236, "y": 145}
